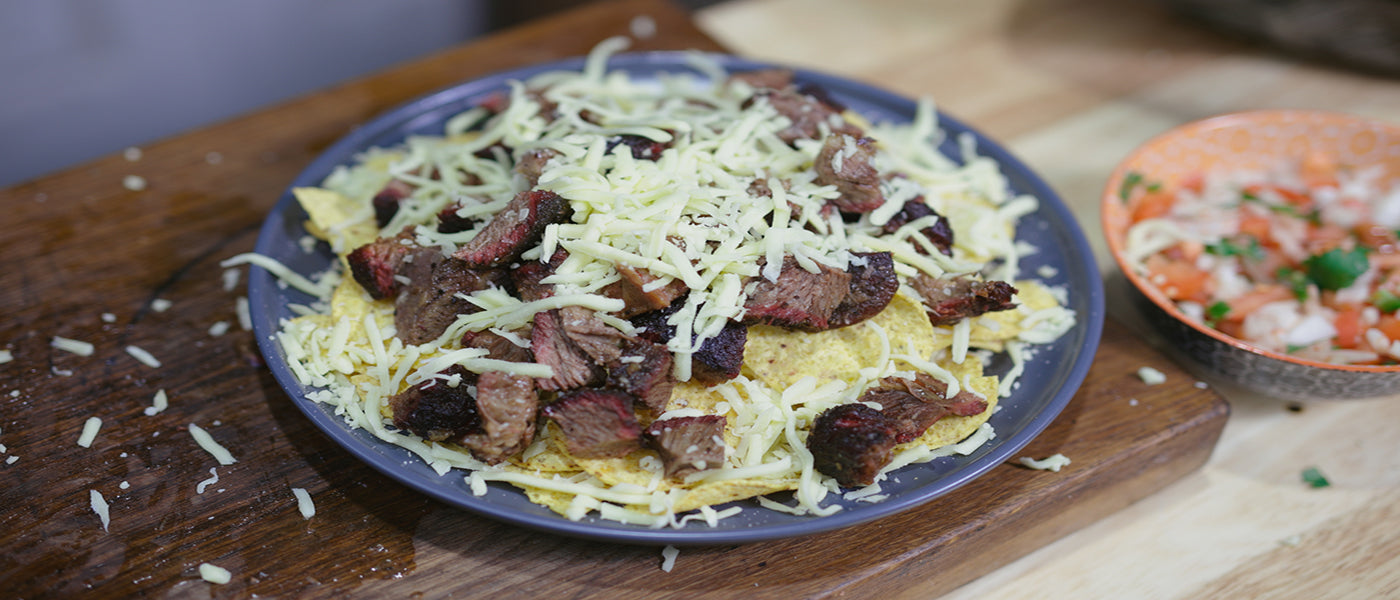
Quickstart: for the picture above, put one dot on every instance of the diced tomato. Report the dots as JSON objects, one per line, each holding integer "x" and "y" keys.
{"x": 1256, "y": 225}
{"x": 1194, "y": 182}
{"x": 1324, "y": 237}
{"x": 1318, "y": 170}
{"x": 1151, "y": 205}
{"x": 1377, "y": 237}
{"x": 1179, "y": 279}
{"x": 1187, "y": 250}
{"x": 1390, "y": 326}
{"x": 1348, "y": 324}
{"x": 1250, "y": 301}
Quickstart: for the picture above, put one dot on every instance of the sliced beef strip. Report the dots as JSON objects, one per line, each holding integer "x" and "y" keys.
{"x": 940, "y": 233}
{"x": 596, "y": 423}
{"x": 507, "y": 406}
{"x": 552, "y": 346}
{"x": 851, "y": 443}
{"x": 374, "y": 265}
{"x": 515, "y": 229}
{"x": 845, "y": 161}
{"x": 531, "y": 164}
{"x": 873, "y": 284}
{"x": 798, "y": 299}
{"x": 805, "y": 115}
{"x": 435, "y": 411}
{"x": 498, "y": 347}
{"x": 914, "y": 405}
{"x": 641, "y": 147}
{"x": 687, "y": 444}
{"x": 644, "y": 371}
{"x": 631, "y": 290}
{"x": 951, "y": 299}
{"x": 600, "y": 341}
{"x": 429, "y": 303}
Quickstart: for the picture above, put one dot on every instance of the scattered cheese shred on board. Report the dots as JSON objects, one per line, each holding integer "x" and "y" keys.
{"x": 207, "y": 442}
{"x": 109, "y": 318}
{"x": 78, "y": 347}
{"x": 134, "y": 183}
{"x": 12, "y": 460}
{"x": 668, "y": 558}
{"x": 1151, "y": 376}
{"x": 231, "y": 279}
{"x": 304, "y": 503}
{"x": 1053, "y": 462}
{"x": 89, "y": 434}
{"x": 145, "y": 357}
{"x": 99, "y": 506}
{"x": 213, "y": 479}
{"x": 160, "y": 305}
{"x": 158, "y": 404}
{"x": 245, "y": 320}
{"x": 218, "y": 329}
{"x": 6, "y": 356}
{"x": 214, "y": 574}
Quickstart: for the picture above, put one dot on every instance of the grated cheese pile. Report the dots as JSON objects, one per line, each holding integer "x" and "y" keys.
{"x": 688, "y": 216}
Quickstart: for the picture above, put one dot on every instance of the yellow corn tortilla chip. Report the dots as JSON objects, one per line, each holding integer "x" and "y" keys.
{"x": 992, "y": 330}
{"x": 719, "y": 492}
{"x": 953, "y": 429}
{"x": 342, "y": 222}
{"x": 779, "y": 357}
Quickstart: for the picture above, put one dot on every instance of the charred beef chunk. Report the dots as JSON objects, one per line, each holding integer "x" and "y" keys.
{"x": 532, "y": 163}
{"x": 596, "y": 423}
{"x": 517, "y": 227}
{"x": 644, "y": 372}
{"x": 429, "y": 303}
{"x": 497, "y": 346}
{"x": 951, "y": 299}
{"x": 718, "y": 359}
{"x": 851, "y": 443}
{"x": 506, "y": 406}
{"x": 687, "y": 444}
{"x": 374, "y": 265}
{"x": 914, "y": 405}
{"x": 873, "y": 284}
{"x": 799, "y": 299}
{"x": 436, "y": 411}
{"x": 940, "y": 233}
{"x": 805, "y": 114}
{"x": 451, "y": 222}
{"x": 632, "y": 290}
{"x": 386, "y": 202}
{"x": 642, "y": 148}
{"x": 653, "y": 326}
{"x": 845, "y": 162}
{"x": 572, "y": 367}
{"x": 600, "y": 341}
{"x": 527, "y": 276}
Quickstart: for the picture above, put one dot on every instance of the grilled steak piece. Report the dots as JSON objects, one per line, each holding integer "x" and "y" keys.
{"x": 513, "y": 230}
{"x": 429, "y": 303}
{"x": 374, "y": 265}
{"x": 845, "y": 162}
{"x": 873, "y": 285}
{"x": 527, "y": 276}
{"x": 600, "y": 341}
{"x": 718, "y": 359}
{"x": 631, "y": 290}
{"x": 531, "y": 164}
{"x": 799, "y": 299}
{"x": 643, "y": 148}
{"x": 644, "y": 371}
{"x": 435, "y": 411}
{"x": 386, "y": 202}
{"x": 506, "y": 406}
{"x": 451, "y": 222}
{"x": 687, "y": 444}
{"x": 573, "y": 368}
{"x": 914, "y": 405}
{"x": 497, "y": 346}
{"x": 596, "y": 423}
{"x": 940, "y": 233}
{"x": 851, "y": 443}
{"x": 951, "y": 299}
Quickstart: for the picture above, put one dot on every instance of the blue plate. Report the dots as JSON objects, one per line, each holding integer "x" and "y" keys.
{"x": 1049, "y": 381}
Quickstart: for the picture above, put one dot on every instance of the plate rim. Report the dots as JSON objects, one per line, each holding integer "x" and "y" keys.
{"x": 394, "y": 121}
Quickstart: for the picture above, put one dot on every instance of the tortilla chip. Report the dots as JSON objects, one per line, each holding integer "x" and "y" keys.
{"x": 952, "y": 429}
{"x": 342, "y": 222}
{"x": 779, "y": 357}
{"x": 992, "y": 330}
{"x": 719, "y": 492}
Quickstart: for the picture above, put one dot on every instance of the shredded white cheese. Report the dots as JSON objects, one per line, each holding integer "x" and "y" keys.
{"x": 245, "y": 319}
{"x": 213, "y": 479}
{"x": 109, "y": 318}
{"x": 1151, "y": 376}
{"x": 161, "y": 305}
{"x": 134, "y": 183}
{"x": 90, "y": 428}
{"x": 1054, "y": 462}
{"x": 304, "y": 503}
{"x": 12, "y": 460}
{"x": 207, "y": 442}
{"x": 218, "y": 329}
{"x": 6, "y": 356}
{"x": 231, "y": 279}
{"x": 214, "y": 574}
{"x": 668, "y": 557}
{"x": 159, "y": 403}
{"x": 99, "y": 506}
{"x": 143, "y": 356}
{"x": 132, "y": 154}
{"x": 78, "y": 347}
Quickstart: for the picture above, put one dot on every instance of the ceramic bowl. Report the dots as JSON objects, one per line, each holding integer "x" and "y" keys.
{"x": 1251, "y": 140}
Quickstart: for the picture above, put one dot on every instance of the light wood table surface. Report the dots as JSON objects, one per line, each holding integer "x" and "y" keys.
{"x": 1071, "y": 86}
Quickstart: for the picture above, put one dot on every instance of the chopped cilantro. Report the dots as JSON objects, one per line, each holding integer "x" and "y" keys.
{"x": 1313, "y": 216}
{"x": 1336, "y": 268}
{"x": 1386, "y": 301}
{"x": 1294, "y": 280}
{"x": 1226, "y": 247}
{"x": 1130, "y": 181}
{"x": 1154, "y": 187}
{"x": 1293, "y": 348}
{"x": 1217, "y": 311}
{"x": 1314, "y": 478}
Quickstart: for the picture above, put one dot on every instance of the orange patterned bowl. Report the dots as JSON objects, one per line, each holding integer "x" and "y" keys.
{"x": 1254, "y": 140}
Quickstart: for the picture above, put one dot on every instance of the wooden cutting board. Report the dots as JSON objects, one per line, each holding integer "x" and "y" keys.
{"x": 88, "y": 259}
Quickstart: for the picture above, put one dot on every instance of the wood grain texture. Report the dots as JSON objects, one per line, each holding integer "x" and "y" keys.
{"x": 85, "y": 245}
